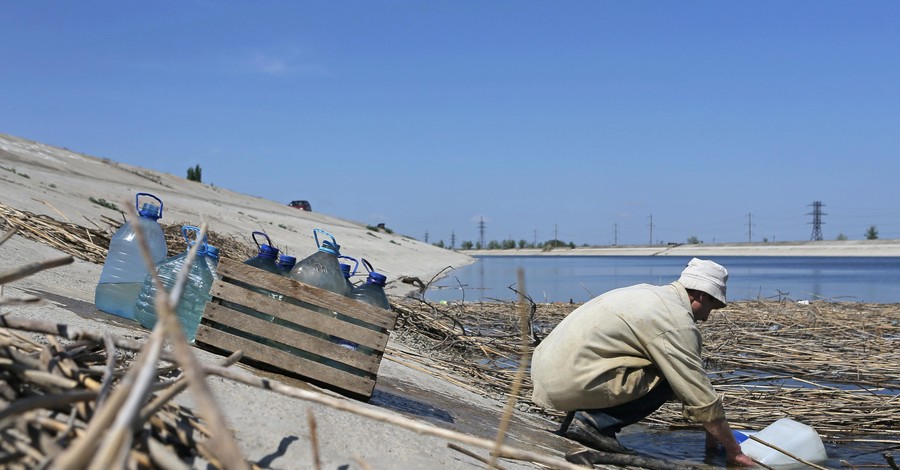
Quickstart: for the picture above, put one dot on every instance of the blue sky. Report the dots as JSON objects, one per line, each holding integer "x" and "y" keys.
{"x": 595, "y": 122}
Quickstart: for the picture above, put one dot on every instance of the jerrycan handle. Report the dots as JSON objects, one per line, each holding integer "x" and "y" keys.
{"x": 319, "y": 245}
{"x": 355, "y": 265}
{"x": 185, "y": 232}
{"x": 373, "y": 277}
{"x": 268, "y": 240}
{"x": 137, "y": 205}
{"x": 368, "y": 266}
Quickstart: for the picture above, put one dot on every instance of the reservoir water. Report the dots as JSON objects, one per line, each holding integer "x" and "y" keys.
{"x": 580, "y": 278}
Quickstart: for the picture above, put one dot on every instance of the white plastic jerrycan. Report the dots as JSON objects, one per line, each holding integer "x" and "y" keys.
{"x": 799, "y": 439}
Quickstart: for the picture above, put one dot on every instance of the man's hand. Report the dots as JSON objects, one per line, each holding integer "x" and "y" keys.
{"x": 720, "y": 431}
{"x": 743, "y": 460}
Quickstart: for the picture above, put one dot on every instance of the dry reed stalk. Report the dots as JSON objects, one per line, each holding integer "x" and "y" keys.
{"x": 520, "y": 374}
{"x": 313, "y": 440}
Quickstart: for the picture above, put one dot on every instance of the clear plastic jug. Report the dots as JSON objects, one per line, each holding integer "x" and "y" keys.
{"x": 285, "y": 264}
{"x": 196, "y": 291}
{"x": 349, "y": 271}
{"x": 787, "y": 434}
{"x": 266, "y": 257}
{"x": 124, "y": 269}
{"x": 212, "y": 259}
{"x": 322, "y": 269}
{"x": 372, "y": 291}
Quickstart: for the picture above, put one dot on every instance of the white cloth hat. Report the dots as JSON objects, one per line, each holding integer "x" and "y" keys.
{"x": 705, "y": 276}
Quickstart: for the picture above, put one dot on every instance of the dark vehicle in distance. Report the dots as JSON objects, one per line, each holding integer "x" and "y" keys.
{"x": 303, "y": 205}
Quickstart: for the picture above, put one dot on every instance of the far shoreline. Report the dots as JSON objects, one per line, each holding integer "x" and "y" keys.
{"x": 823, "y": 248}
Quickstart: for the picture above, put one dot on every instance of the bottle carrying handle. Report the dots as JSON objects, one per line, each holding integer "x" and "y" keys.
{"x": 368, "y": 266}
{"x": 355, "y": 265}
{"x": 137, "y": 206}
{"x": 316, "y": 235}
{"x": 254, "y": 234}
{"x": 186, "y": 230}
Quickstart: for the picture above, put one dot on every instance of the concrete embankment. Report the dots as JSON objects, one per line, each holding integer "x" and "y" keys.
{"x": 870, "y": 248}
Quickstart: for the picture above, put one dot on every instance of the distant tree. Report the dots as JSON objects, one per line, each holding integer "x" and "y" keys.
{"x": 478, "y": 245}
{"x": 571, "y": 244}
{"x": 522, "y": 243}
{"x": 193, "y": 174}
{"x": 841, "y": 237}
{"x": 493, "y": 245}
{"x": 693, "y": 240}
{"x": 466, "y": 245}
{"x": 872, "y": 233}
{"x": 439, "y": 244}
{"x": 508, "y": 244}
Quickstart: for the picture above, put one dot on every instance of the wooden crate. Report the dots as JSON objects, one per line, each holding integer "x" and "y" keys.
{"x": 292, "y": 335}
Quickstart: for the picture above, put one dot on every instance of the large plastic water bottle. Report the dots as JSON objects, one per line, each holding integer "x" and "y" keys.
{"x": 349, "y": 271}
{"x": 285, "y": 264}
{"x": 196, "y": 291}
{"x": 797, "y": 438}
{"x": 322, "y": 269}
{"x": 267, "y": 256}
{"x": 372, "y": 291}
{"x": 124, "y": 269}
{"x": 212, "y": 259}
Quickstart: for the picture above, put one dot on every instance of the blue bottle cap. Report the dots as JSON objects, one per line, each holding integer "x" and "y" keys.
{"x": 212, "y": 251}
{"x": 266, "y": 251}
{"x": 287, "y": 261}
{"x": 329, "y": 247}
{"x": 150, "y": 211}
{"x": 376, "y": 278}
{"x": 345, "y": 268}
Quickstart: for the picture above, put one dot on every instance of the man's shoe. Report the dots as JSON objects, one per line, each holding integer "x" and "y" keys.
{"x": 585, "y": 434}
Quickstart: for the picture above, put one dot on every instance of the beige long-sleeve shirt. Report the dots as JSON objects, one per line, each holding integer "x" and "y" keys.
{"x": 618, "y": 346}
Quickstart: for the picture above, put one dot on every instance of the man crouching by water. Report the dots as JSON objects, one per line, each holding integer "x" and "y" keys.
{"x": 620, "y": 356}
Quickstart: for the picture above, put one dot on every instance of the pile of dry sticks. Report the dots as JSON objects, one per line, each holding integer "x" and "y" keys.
{"x": 91, "y": 244}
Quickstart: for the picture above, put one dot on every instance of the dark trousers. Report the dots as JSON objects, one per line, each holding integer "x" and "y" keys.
{"x": 611, "y": 420}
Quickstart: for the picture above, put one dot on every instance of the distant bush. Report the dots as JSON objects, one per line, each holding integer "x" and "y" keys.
{"x": 193, "y": 174}
{"x": 379, "y": 228}
{"x": 104, "y": 203}
{"x": 872, "y": 233}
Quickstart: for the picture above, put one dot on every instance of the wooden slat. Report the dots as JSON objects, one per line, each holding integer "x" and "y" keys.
{"x": 231, "y": 269}
{"x": 296, "y": 333}
{"x": 303, "y": 367}
{"x": 227, "y": 318}
{"x": 314, "y": 320}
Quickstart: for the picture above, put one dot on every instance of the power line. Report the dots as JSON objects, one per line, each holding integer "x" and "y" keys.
{"x": 749, "y": 227}
{"x": 817, "y": 220}
{"x": 481, "y": 231}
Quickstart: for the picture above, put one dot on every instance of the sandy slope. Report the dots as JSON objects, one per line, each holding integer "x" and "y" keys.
{"x": 47, "y": 180}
